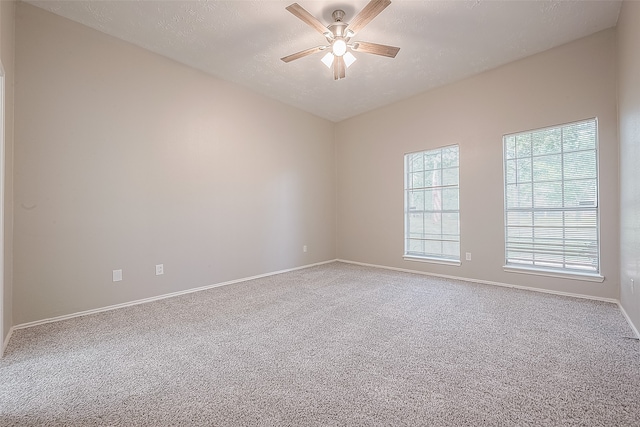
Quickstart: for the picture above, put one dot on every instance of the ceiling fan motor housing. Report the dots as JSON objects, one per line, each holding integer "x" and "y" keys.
{"x": 338, "y": 27}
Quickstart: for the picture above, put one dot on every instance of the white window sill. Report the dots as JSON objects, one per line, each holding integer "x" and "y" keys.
{"x": 431, "y": 260}
{"x": 589, "y": 277}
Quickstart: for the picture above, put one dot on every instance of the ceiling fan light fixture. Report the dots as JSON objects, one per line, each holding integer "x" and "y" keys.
{"x": 339, "y": 47}
{"x": 337, "y": 53}
{"x": 328, "y": 59}
{"x": 349, "y": 59}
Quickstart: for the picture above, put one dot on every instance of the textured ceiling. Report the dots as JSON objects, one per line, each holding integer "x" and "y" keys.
{"x": 441, "y": 42}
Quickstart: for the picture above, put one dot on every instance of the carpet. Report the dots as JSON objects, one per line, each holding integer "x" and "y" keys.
{"x": 331, "y": 345}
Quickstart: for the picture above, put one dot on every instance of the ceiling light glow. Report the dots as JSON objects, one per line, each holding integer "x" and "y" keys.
{"x": 339, "y": 47}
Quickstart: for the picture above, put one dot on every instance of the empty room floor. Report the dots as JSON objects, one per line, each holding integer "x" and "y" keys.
{"x": 335, "y": 344}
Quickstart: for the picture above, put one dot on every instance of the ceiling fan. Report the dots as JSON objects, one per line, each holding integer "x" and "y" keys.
{"x": 339, "y": 34}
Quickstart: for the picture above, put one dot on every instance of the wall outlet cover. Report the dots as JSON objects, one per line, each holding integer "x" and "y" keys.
{"x": 117, "y": 275}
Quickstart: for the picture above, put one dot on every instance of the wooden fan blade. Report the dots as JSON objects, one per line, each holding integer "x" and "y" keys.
{"x": 303, "y": 53}
{"x": 376, "y": 49}
{"x": 365, "y": 16}
{"x": 307, "y": 18}
{"x": 339, "y": 68}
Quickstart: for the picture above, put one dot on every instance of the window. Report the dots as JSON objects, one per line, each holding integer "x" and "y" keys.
{"x": 431, "y": 208}
{"x": 551, "y": 199}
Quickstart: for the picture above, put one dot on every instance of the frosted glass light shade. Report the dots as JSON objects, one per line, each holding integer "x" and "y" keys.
{"x": 328, "y": 59}
{"x": 349, "y": 59}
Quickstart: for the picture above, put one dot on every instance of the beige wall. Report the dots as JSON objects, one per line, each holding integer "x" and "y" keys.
{"x": 7, "y": 18}
{"x": 629, "y": 120}
{"x": 568, "y": 83}
{"x": 125, "y": 159}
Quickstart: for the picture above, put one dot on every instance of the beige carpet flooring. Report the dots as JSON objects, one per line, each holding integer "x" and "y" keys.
{"x": 332, "y": 345}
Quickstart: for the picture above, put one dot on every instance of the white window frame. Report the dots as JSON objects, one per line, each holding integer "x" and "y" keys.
{"x": 571, "y": 273}
{"x": 423, "y": 257}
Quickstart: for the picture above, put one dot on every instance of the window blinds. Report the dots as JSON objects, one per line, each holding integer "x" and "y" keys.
{"x": 551, "y": 198}
{"x": 432, "y": 215}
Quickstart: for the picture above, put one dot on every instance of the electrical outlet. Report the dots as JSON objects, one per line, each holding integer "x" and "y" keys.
{"x": 117, "y": 275}
{"x": 304, "y": 248}
{"x": 468, "y": 256}
{"x": 159, "y": 269}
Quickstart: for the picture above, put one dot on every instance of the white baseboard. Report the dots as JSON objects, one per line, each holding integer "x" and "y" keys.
{"x": 156, "y": 298}
{"x": 6, "y": 342}
{"x": 626, "y": 316}
{"x": 484, "y": 282}
{"x": 203, "y": 288}
{"x": 508, "y": 285}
